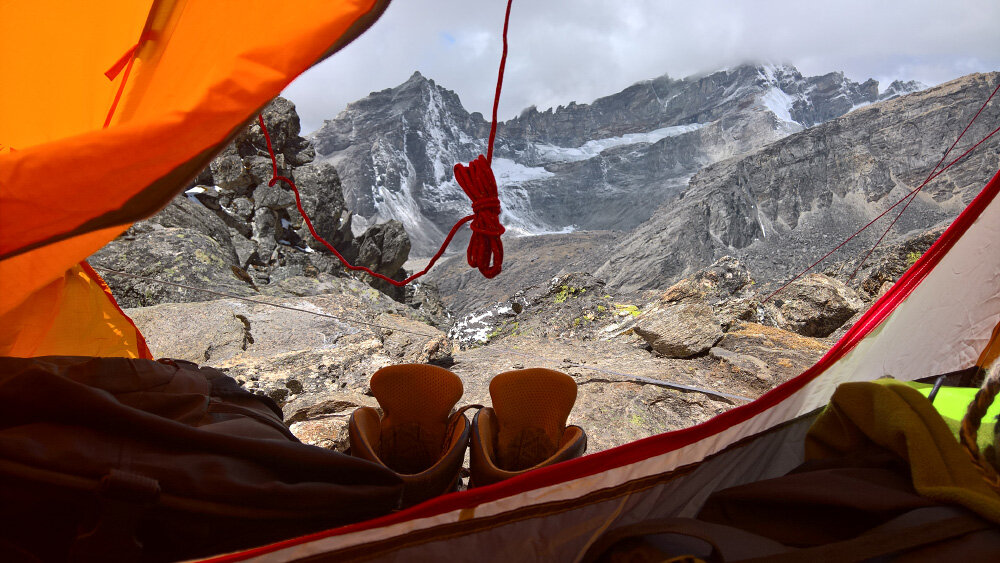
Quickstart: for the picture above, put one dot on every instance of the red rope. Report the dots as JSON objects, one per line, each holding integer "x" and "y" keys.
{"x": 883, "y": 214}
{"x": 928, "y": 179}
{"x": 496, "y": 98}
{"x": 478, "y": 182}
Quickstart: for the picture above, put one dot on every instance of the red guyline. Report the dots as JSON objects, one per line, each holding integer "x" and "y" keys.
{"x": 914, "y": 195}
{"x": 884, "y": 213}
{"x": 305, "y": 216}
{"x": 496, "y": 98}
{"x": 485, "y": 250}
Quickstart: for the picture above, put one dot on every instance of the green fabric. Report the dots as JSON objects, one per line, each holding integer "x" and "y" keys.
{"x": 952, "y": 402}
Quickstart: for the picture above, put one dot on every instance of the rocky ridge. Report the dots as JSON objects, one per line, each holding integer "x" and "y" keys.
{"x": 231, "y": 232}
{"x": 582, "y": 166}
{"x": 781, "y": 207}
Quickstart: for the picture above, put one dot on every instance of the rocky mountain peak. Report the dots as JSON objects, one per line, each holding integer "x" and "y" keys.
{"x": 900, "y": 87}
{"x": 575, "y": 167}
{"x": 781, "y": 206}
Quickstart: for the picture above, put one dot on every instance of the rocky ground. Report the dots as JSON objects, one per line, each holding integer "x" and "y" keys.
{"x": 651, "y": 349}
{"x": 638, "y": 374}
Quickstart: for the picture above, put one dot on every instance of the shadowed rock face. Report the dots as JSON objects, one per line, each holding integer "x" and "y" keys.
{"x": 583, "y": 166}
{"x": 786, "y": 204}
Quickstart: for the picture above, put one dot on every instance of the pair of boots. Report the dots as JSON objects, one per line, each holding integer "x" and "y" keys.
{"x": 418, "y": 439}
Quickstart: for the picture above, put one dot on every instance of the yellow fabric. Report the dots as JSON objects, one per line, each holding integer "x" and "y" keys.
{"x": 897, "y": 417}
{"x": 73, "y": 315}
{"x": 201, "y": 70}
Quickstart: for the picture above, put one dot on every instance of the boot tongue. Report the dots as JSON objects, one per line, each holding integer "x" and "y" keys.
{"x": 416, "y": 400}
{"x": 531, "y": 407}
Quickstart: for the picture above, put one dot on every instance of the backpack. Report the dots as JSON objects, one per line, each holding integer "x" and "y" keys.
{"x": 117, "y": 459}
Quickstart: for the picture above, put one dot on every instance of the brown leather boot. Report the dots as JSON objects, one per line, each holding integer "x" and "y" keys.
{"x": 415, "y": 437}
{"x": 526, "y": 428}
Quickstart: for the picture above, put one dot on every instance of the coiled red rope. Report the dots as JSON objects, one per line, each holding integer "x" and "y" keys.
{"x": 485, "y": 250}
{"x": 485, "y": 246}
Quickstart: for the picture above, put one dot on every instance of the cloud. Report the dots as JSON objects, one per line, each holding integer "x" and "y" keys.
{"x": 578, "y": 50}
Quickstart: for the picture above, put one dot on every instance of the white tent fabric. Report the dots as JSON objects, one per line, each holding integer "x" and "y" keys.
{"x": 936, "y": 319}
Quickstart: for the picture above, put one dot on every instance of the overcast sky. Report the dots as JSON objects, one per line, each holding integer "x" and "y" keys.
{"x": 579, "y": 50}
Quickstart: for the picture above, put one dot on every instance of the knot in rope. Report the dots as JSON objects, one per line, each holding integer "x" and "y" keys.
{"x": 485, "y": 247}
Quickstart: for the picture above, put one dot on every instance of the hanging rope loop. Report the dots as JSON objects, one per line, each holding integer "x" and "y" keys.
{"x": 485, "y": 250}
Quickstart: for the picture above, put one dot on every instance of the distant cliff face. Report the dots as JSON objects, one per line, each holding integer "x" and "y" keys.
{"x": 603, "y": 165}
{"x": 786, "y": 204}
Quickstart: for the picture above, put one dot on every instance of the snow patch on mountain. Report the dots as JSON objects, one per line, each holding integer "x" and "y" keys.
{"x": 590, "y": 149}
{"x": 779, "y": 103}
{"x": 507, "y": 171}
{"x": 520, "y": 217}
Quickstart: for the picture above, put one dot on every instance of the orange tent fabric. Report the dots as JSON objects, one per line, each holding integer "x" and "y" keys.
{"x": 183, "y": 77}
{"x": 74, "y": 315}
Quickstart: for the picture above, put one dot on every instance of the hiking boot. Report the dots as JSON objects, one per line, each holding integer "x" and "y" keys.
{"x": 415, "y": 436}
{"x": 526, "y": 428}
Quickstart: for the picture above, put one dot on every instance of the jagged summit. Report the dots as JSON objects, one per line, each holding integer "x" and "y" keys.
{"x": 899, "y": 87}
{"x": 595, "y": 165}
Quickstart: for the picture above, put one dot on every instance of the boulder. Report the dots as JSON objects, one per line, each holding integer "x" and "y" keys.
{"x": 204, "y": 333}
{"x": 272, "y": 197}
{"x": 726, "y": 285}
{"x": 887, "y": 263}
{"x": 744, "y": 363}
{"x": 246, "y": 250}
{"x": 815, "y": 305}
{"x": 425, "y": 299}
{"x": 176, "y": 255}
{"x": 722, "y": 281}
{"x": 321, "y": 419}
{"x": 384, "y": 248}
{"x": 264, "y": 227}
{"x": 229, "y": 173}
{"x": 323, "y": 201}
{"x": 286, "y": 353}
{"x": 188, "y": 213}
{"x": 330, "y": 433}
{"x": 764, "y": 356}
{"x": 680, "y": 331}
{"x": 283, "y": 127}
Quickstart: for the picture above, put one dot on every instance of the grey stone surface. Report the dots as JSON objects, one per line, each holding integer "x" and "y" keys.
{"x": 782, "y": 207}
{"x": 680, "y": 331}
{"x": 815, "y": 305}
{"x": 178, "y": 255}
